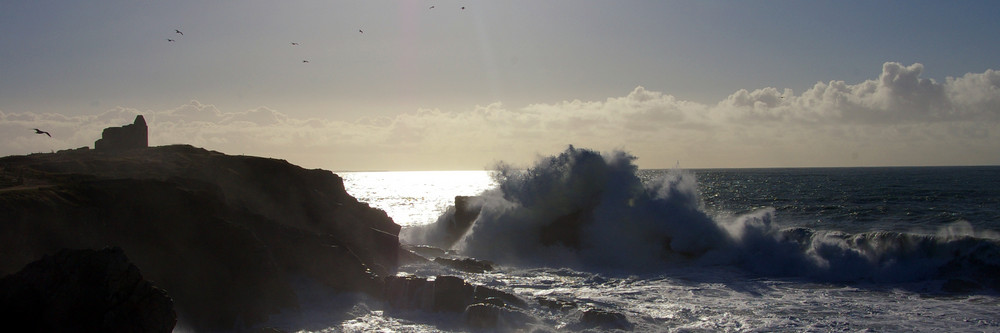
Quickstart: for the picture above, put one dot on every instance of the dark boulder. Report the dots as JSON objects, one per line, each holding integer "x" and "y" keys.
{"x": 452, "y": 294}
{"x": 84, "y": 291}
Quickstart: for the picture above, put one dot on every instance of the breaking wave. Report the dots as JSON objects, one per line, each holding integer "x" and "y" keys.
{"x": 587, "y": 210}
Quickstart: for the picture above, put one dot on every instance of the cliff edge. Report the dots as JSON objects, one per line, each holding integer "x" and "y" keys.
{"x": 223, "y": 235}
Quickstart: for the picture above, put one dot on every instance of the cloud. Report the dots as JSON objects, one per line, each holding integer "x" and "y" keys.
{"x": 896, "y": 118}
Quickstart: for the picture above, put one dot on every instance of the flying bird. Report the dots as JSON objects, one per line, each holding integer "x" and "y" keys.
{"x": 170, "y": 40}
{"x": 38, "y": 131}
{"x": 432, "y": 7}
{"x": 305, "y": 61}
{"x": 178, "y": 31}
{"x": 359, "y": 30}
{"x": 294, "y": 43}
{"x": 463, "y": 7}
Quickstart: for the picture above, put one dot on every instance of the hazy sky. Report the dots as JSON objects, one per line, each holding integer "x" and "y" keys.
{"x": 699, "y": 83}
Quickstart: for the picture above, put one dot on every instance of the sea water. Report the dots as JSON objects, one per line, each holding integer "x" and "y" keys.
{"x": 730, "y": 250}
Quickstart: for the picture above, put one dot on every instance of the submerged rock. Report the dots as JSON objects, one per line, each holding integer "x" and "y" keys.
{"x": 84, "y": 291}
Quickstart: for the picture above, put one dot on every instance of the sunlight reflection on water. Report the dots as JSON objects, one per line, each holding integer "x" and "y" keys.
{"x": 415, "y": 197}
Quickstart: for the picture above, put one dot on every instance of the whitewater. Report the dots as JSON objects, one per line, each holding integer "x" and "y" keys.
{"x": 728, "y": 250}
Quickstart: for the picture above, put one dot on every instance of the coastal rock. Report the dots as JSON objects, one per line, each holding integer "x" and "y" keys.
{"x": 84, "y": 291}
{"x": 604, "y": 319}
{"x": 466, "y": 264}
{"x": 409, "y": 292}
{"x": 452, "y": 294}
{"x": 482, "y": 315}
{"x": 443, "y": 294}
{"x": 223, "y": 235}
{"x": 484, "y": 293}
{"x": 490, "y": 316}
{"x": 556, "y": 304}
{"x": 464, "y": 215}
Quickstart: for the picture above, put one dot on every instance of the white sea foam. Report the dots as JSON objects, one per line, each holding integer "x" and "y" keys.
{"x": 739, "y": 272}
{"x": 587, "y": 210}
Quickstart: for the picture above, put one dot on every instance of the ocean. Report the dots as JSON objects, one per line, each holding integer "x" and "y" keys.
{"x": 878, "y": 249}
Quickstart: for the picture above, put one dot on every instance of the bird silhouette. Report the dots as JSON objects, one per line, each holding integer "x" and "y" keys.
{"x": 38, "y": 131}
{"x": 294, "y": 43}
{"x": 305, "y": 61}
{"x": 463, "y": 7}
{"x": 432, "y": 7}
{"x": 359, "y": 30}
{"x": 178, "y": 31}
{"x": 170, "y": 40}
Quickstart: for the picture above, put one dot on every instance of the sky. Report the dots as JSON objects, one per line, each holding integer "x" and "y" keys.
{"x": 399, "y": 85}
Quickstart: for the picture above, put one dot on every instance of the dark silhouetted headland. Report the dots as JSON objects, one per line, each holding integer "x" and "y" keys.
{"x": 223, "y": 235}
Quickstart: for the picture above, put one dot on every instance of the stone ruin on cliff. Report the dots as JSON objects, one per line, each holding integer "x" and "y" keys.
{"x": 125, "y": 137}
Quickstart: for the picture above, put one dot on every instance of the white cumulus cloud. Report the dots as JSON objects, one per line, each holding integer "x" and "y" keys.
{"x": 895, "y": 118}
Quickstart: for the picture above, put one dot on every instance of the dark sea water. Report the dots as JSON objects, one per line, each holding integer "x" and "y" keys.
{"x": 712, "y": 250}
{"x": 902, "y": 199}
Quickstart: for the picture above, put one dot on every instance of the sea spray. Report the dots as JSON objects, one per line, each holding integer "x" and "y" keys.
{"x": 586, "y": 210}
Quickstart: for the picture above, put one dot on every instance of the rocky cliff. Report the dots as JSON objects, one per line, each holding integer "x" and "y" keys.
{"x": 223, "y": 235}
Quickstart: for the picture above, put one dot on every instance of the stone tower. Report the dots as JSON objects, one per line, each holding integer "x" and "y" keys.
{"x": 131, "y": 136}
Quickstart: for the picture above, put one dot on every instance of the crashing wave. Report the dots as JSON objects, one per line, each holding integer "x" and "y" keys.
{"x": 587, "y": 210}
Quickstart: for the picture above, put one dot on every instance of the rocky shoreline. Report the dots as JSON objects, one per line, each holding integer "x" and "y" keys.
{"x": 179, "y": 235}
{"x": 222, "y": 235}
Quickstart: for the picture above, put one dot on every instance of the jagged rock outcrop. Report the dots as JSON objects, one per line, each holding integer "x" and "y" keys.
{"x": 84, "y": 291}
{"x": 466, "y": 264}
{"x": 482, "y": 307}
{"x": 443, "y": 293}
{"x": 223, "y": 235}
{"x": 465, "y": 214}
{"x": 135, "y": 135}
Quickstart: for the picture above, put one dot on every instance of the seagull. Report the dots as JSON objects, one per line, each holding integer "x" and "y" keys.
{"x": 178, "y": 31}
{"x": 38, "y": 131}
{"x": 294, "y": 43}
{"x": 170, "y": 40}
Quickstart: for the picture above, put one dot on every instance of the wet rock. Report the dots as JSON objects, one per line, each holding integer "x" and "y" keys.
{"x": 452, "y": 294}
{"x": 556, "y": 304}
{"x": 464, "y": 215}
{"x": 484, "y": 292}
{"x": 494, "y": 301}
{"x": 84, "y": 291}
{"x": 605, "y": 319}
{"x": 425, "y": 251}
{"x": 466, "y": 264}
{"x": 409, "y": 292}
{"x": 482, "y": 315}
{"x": 443, "y": 294}
{"x": 491, "y": 316}
{"x": 409, "y": 257}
